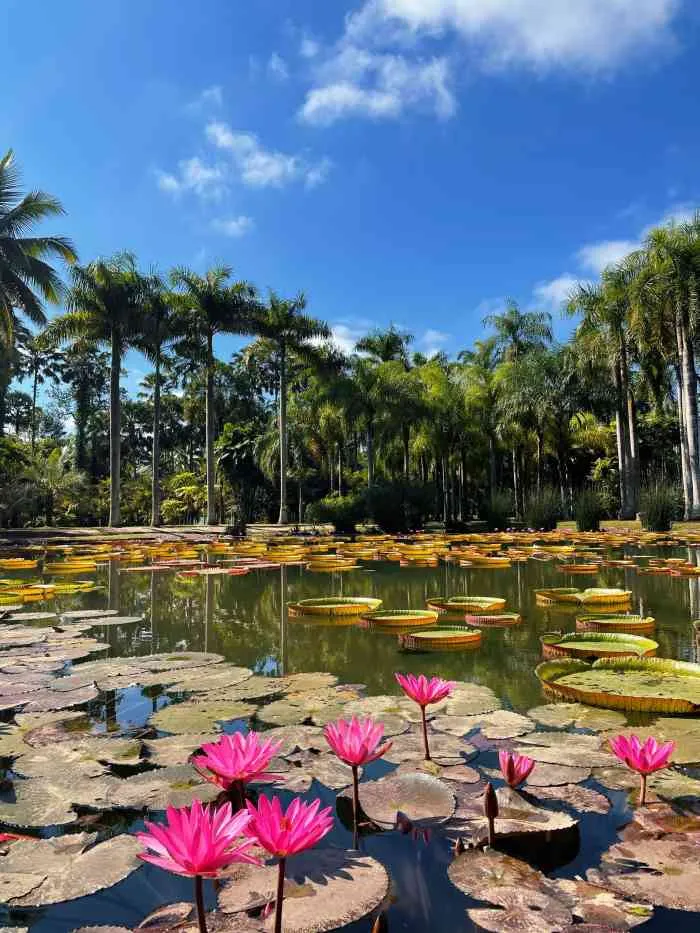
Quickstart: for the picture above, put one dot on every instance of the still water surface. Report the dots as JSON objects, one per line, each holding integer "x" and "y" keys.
{"x": 244, "y": 618}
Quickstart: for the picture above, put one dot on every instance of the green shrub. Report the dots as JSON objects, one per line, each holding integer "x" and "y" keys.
{"x": 497, "y": 510}
{"x": 588, "y": 510}
{"x": 660, "y": 506}
{"x": 543, "y": 509}
{"x": 343, "y": 512}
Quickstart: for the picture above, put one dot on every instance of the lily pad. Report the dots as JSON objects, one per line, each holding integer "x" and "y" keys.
{"x": 324, "y": 890}
{"x": 214, "y": 677}
{"x": 661, "y": 871}
{"x": 685, "y": 732}
{"x": 470, "y": 700}
{"x": 499, "y": 724}
{"x": 552, "y": 775}
{"x": 176, "y": 749}
{"x": 643, "y": 684}
{"x": 114, "y": 620}
{"x": 444, "y": 749}
{"x": 583, "y": 799}
{"x": 518, "y": 816}
{"x": 175, "y": 786}
{"x": 561, "y": 715}
{"x": 41, "y": 872}
{"x": 76, "y": 614}
{"x": 420, "y": 797}
{"x": 588, "y": 645}
{"x": 198, "y": 716}
{"x": 297, "y": 738}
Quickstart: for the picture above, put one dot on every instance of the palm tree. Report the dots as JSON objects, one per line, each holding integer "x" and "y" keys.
{"x": 383, "y": 346}
{"x": 518, "y": 332}
{"x": 283, "y": 324}
{"x": 158, "y": 329}
{"x": 481, "y": 393}
{"x": 85, "y": 370}
{"x": 40, "y": 362}
{"x": 210, "y": 305}
{"x": 106, "y": 299}
{"x": 26, "y": 275}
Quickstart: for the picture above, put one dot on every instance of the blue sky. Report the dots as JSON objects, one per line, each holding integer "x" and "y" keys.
{"x": 412, "y": 161}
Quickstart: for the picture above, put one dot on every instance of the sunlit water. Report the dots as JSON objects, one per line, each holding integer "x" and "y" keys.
{"x": 244, "y": 618}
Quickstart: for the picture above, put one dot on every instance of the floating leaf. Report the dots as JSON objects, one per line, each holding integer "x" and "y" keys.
{"x": 551, "y": 775}
{"x": 176, "y": 749}
{"x": 199, "y": 716}
{"x": 64, "y": 868}
{"x": 420, "y": 797}
{"x": 175, "y": 786}
{"x": 444, "y": 749}
{"x": 324, "y": 889}
{"x": 577, "y": 714}
{"x": 580, "y": 798}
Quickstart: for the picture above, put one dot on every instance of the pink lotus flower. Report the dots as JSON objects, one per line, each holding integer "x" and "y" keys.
{"x": 356, "y": 742}
{"x": 198, "y": 842}
{"x": 514, "y": 767}
{"x": 284, "y": 834}
{"x": 423, "y": 692}
{"x": 644, "y": 758}
{"x": 235, "y": 760}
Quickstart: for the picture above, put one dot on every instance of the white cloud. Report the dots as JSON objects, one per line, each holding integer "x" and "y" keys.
{"x": 554, "y": 293}
{"x": 594, "y": 257}
{"x": 277, "y": 67}
{"x": 584, "y": 34}
{"x": 433, "y": 341}
{"x": 357, "y": 82}
{"x": 210, "y": 98}
{"x": 263, "y": 168}
{"x": 206, "y": 181}
{"x": 233, "y": 226}
{"x": 309, "y": 47}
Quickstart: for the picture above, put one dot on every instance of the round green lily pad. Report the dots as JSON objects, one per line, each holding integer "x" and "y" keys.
{"x": 199, "y": 716}
{"x": 593, "y": 644}
{"x": 643, "y": 684}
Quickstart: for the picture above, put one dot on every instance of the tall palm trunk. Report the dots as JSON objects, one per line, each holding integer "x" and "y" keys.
{"x": 516, "y": 484}
{"x": 623, "y": 452}
{"x": 690, "y": 413}
{"x": 406, "y": 440}
{"x": 155, "y": 468}
{"x": 492, "y": 464}
{"x": 445, "y": 493}
{"x": 683, "y": 443}
{"x": 282, "y": 520}
{"x": 370, "y": 453}
{"x": 209, "y": 417}
{"x": 540, "y": 448}
{"x": 35, "y": 384}
{"x": 114, "y": 430}
{"x": 632, "y": 443}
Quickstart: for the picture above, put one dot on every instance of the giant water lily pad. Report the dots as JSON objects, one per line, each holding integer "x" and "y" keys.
{"x": 175, "y": 786}
{"x": 40, "y": 872}
{"x": 644, "y": 684}
{"x": 79, "y": 614}
{"x": 114, "y": 620}
{"x": 589, "y": 645}
{"x": 421, "y": 797}
{"x": 199, "y": 716}
{"x": 563, "y": 715}
{"x": 661, "y": 871}
{"x": 324, "y": 889}
{"x": 32, "y": 617}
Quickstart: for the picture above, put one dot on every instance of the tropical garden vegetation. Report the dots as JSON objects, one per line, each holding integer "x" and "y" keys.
{"x": 517, "y": 427}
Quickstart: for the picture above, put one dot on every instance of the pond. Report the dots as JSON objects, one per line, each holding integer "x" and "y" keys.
{"x": 245, "y": 619}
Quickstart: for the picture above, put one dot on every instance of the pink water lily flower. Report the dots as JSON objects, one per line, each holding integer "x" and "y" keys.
{"x": 514, "y": 767}
{"x": 423, "y": 692}
{"x": 356, "y": 742}
{"x": 236, "y": 760}
{"x": 643, "y": 757}
{"x": 283, "y": 834}
{"x": 198, "y": 842}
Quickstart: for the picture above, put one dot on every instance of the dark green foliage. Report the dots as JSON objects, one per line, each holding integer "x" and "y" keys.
{"x": 344, "y": 512}
{"x": 543, "y": 509}
{"x": 661, "y": 506}
{"x": 399, "y": 506}
{"x": 497, "y": 510}
{"x": 588, "y": 510}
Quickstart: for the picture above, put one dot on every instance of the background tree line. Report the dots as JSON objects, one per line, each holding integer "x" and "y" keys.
{"x": 519, "y": 426}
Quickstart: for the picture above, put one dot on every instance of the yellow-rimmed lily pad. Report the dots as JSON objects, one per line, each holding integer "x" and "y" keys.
{"x": 335, "y": 606}
{"x": 441, "y": 638}
{"x": 643, "y": 684}
{"x": 622, "y": 624}
{"x": 604, "y": 644}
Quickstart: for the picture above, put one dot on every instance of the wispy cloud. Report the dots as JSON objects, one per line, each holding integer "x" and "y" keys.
{"x": 211, "y": 98}
{"x": 206, "y": 181}
{"x": 594, "y": 257}
{"x": 433, "y": 341}
{"x": 309, "y": 47}
{"x": 553, "y": 294}
{"x": 258, "y": 167}
{"x": 277, "y": 67}
{"x": 233, "y": 226}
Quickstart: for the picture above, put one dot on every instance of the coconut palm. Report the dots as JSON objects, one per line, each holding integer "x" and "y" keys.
{"x": 106, "y": 300}
{"x": 284, "y": 326}
{"x": 158, "y": 329}
{"x": 210, "y": 305}
{"x": 383, "y": 346}
{"x": 27, "y": 277}
{"x": 39, "y": 362}
{"x": 517, "y": 332}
